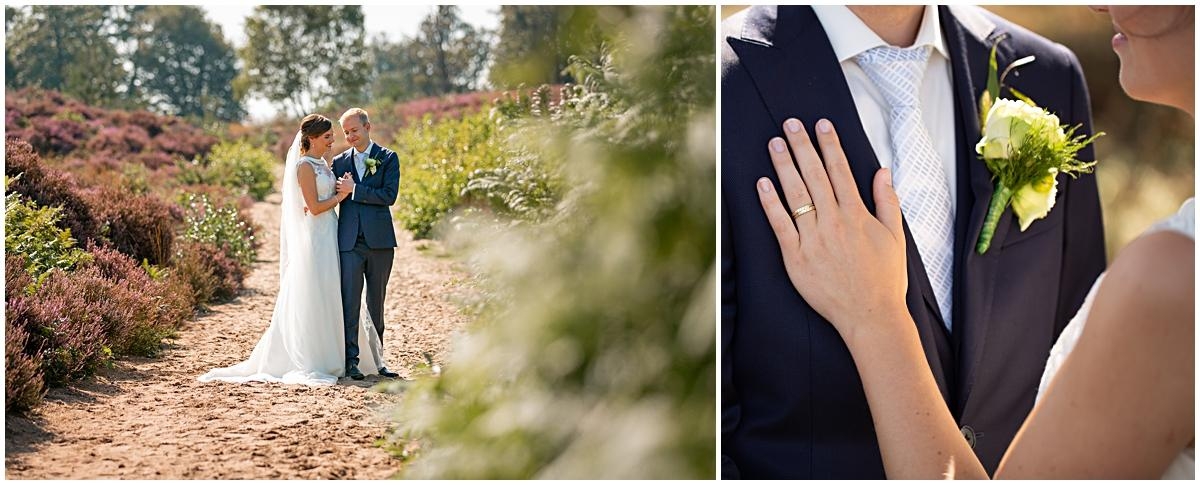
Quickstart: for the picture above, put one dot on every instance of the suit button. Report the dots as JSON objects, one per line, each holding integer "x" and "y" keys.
{"x": 969, "y": 435}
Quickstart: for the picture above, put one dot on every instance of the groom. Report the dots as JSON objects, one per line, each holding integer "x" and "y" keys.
{"x": 792, "y": 402}
{"x": 366, "y": 238}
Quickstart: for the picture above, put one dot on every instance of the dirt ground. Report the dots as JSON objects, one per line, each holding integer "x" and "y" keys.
{"x": 149, "y": 418}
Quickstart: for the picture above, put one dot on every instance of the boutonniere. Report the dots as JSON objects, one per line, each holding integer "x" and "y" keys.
{"x": 371, "y": 164}
{"x": 1025, "y": 147}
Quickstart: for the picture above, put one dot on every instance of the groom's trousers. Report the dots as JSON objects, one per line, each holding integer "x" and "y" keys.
{"x": 363, "y": 268}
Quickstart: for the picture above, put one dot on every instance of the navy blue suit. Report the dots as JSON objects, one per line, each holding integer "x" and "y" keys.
{"x": 792, "y": 401}
{"x": 366, "y": 240}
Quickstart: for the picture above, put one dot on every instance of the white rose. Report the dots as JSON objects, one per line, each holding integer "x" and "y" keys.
{"x": 1034, "y": 200}
{"x": 1008, "y": 124}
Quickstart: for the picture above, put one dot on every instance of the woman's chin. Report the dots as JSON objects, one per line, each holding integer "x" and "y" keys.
{"x": 1132, "y": 86}
{"x": 1142, "y": 88}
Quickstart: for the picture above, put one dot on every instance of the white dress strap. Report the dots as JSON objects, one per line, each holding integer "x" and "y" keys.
{"x": 1183, "y": 221}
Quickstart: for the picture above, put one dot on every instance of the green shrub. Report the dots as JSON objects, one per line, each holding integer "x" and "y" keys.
{"x": 436, "y": 160}
{"x": 490, "y": 161}
{"x": 222, "y": 227}
{"x": 242, "y": 167}
{"x": 248, "y": 169}
{"x": 30, "y": 232}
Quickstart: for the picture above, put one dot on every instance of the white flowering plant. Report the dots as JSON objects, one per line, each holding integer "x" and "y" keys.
{"x": 1025, "y": 147}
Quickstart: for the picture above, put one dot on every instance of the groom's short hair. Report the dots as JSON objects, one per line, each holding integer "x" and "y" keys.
{"x": 359, "y": 112}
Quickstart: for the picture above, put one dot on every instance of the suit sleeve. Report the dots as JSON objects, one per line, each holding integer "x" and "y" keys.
{"x": 1083, "y": 232}
{"x": 730, "y": 410}
{"x": 385, "y": 195}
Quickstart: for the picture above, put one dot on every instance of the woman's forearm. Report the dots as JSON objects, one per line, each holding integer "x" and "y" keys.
{"x": 323, "y": 206}
{"x": 917, "y": 435}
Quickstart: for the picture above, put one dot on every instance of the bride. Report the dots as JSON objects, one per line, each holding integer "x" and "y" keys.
{"x": 1117, "y": 396}
{"x": 305, "y": 343}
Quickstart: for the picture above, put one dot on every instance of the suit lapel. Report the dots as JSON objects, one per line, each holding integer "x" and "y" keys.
{"x": 351, "y": 165}
{"x": 797, "y": 74}
{"x": 975, "y": 275}
{"x": 372, "y": 153}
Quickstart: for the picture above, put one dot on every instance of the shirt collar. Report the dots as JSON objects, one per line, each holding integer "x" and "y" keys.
{"x": 369, "y": 145}
{"x": 850, "y": 37}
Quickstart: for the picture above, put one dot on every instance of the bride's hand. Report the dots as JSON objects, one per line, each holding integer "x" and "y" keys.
{"x": 847, "y": 264}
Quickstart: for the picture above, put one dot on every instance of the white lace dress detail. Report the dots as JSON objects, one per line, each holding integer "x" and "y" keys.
{"x": 1183, "y": 222}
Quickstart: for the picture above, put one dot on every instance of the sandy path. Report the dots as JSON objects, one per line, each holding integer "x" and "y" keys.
{"x": 150, "y": 418}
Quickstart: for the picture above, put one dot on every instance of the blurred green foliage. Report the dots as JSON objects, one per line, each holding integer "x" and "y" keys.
{"x": 593, "y": 356}
{"x": 536, "y": 42}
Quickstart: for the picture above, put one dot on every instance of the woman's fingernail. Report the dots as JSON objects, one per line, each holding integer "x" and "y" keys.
{"x": 824, "y": 126}
{"x": 777, "y": 145}
{"x": 792, "y": 125}
{"x": 764, "y": 185}
{"x": 887, "y": 177}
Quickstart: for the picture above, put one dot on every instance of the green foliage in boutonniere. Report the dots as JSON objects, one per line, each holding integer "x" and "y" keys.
{"x": 1025, "y": 147}
{"x": 372, "y": 164}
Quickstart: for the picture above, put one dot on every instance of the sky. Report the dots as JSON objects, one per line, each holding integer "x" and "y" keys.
{"x": 394, "y": 21}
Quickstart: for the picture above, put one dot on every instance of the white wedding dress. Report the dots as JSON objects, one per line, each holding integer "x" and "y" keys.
{"x": 305, "y": 342}
{"x": 1183, "y": 222}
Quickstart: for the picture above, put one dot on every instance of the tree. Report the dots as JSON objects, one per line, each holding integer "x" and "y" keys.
{"x": 448, "y": 55}
{"x": 10, "y": 18}
{"x": 305, "y": 57}
{"x": 184, "y": 65}
{"x": 67, "y": 48}
{"x": 398, "y": 74}
{"x": 537, "y": 41}
{"x": 453, "y": 52}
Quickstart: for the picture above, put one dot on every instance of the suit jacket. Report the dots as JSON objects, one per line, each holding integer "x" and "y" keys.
{"x": 367, "y": 212}
{"x": 792, "y": 401}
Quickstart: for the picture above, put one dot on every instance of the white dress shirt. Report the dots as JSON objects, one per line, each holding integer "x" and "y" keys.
{"x": 360, "y": 165}
{"x": 851, "y": 37}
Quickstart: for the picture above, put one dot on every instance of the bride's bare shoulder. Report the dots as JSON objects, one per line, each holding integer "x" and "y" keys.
{"x": 1135, "y": 357}
{"x": 1153, "y": 274}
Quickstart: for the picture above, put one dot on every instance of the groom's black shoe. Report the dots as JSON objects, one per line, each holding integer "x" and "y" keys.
{"x": 387, "y": 373}
{"x": 354, "y": 373}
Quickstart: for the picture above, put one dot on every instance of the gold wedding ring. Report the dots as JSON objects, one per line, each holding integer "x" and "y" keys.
{"x": 804, "y": 209}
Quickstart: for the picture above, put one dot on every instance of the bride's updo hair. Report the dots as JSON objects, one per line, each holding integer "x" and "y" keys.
{"x": 313, "y": 125}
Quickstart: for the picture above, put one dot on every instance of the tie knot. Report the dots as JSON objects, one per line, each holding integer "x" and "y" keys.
{"x": 896, "y": 72}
